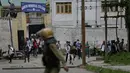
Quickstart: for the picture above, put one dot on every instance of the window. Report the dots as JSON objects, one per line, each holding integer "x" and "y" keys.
{"x": 109, "y": 9}
{"x": 63, "y": 7}
{"x": 39, "y": 14}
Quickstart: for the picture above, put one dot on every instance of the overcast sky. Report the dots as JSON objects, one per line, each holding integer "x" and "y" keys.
{"x": 18, "y": 2}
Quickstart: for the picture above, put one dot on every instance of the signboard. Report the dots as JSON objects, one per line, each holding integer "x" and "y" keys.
{"x": 33, "y": 7}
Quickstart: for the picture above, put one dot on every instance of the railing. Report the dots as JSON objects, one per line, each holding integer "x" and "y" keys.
{"x": 36, "y": 20}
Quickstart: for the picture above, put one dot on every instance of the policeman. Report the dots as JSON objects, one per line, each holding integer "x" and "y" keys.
{"x": 51, "y": 55}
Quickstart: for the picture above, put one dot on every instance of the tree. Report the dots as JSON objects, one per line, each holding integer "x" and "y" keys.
{"x": 123, "y": 4}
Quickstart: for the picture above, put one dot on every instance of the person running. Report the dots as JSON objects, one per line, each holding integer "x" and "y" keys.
{"x": 51, "y": 55}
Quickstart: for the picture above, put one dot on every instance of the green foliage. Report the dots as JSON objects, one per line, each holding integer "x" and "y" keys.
{"x": 103, "y": 70}
{"x": 119, "y": 58}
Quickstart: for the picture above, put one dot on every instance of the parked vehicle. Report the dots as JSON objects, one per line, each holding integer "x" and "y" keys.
{"x": 17, "y": 55}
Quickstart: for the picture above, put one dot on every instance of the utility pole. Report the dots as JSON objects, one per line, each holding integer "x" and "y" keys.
{"x": 116, "y": 24}
{"x": 77, "y": 12}
{"x": 105, "y": 19}
{"x": 0, "y": 8}
{"x": 13, "y": 14}
{"x": 96, "y": 14}
{"x": 83, "y": 34}
{"x": 11, "y": 36}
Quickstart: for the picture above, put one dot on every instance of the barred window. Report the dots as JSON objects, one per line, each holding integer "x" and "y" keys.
{"x": 63, "y": 7}
{"x": 109, "y": 9}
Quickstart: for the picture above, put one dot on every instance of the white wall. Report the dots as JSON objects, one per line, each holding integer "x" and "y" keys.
{"x": 63, "y": 19}
{"x": 92, "y": 35}
{"x": 90, "y": 14}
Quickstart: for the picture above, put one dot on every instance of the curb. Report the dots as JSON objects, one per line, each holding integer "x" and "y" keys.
{"x": 32, "y": 68}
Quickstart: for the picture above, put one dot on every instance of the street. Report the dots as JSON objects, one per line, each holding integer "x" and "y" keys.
{"x": 72, "y": 70}
{"x": 36, "y": 62}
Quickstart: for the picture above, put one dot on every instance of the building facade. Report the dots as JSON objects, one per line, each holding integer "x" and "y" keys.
{"x": 66, "y": 20}
{"x": 22, "y": 26}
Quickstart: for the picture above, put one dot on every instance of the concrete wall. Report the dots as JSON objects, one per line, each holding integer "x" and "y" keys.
{"x": 92, "y": 34}
{"x": 4, "y": 34}
{"x": 17, "y": 24}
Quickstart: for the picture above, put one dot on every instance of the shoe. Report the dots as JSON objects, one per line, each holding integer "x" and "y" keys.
{"x": 10, "y": 62}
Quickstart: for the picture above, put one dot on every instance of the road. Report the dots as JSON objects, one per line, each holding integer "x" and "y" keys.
{"x": 72, "y": 70}
{"x": 36, "y": 62}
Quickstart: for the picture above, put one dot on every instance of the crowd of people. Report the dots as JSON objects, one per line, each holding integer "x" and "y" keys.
{"x": 73, "y": 50}
{"x": 114, "y": 46}
{"x": 35, "y": 45}
{"x": 32, "y": 46}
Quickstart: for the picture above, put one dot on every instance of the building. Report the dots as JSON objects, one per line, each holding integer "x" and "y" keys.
{"x": 24, "y": 24}
{"x": 66, "y": 20}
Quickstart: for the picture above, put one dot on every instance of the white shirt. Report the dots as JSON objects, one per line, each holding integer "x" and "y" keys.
{"x": 11, "y": 50}
{"x": 103, "y": 48}
{"x": 67, "y": 49}
{"x": 41, "y": 43}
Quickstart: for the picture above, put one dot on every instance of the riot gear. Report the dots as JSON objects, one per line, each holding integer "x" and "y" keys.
{"x": 46, "y": 33}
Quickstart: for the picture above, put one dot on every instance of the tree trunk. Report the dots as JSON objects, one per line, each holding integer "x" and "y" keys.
{"x": 128, "y": 35}
{"x": 127, "y": 20}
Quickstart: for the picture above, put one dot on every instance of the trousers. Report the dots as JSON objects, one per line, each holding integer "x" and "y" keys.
{"x": 52, "y": 70}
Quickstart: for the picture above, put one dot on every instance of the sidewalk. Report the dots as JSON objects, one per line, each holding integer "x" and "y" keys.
{"x": 16, "y": 63}
{"x": 104, "y": 65}
{"x": 36, "y": 62}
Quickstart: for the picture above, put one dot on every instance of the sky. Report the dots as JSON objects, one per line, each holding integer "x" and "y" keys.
{"x": 18, "y": 2}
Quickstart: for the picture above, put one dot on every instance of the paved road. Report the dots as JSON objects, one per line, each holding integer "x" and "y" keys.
{"x": 72, "y": 70}
{"x": 36, "y": 62}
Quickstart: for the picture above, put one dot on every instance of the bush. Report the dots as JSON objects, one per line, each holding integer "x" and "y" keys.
{"x": 119, "y": 58}
{"x": 103, "y": 70}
